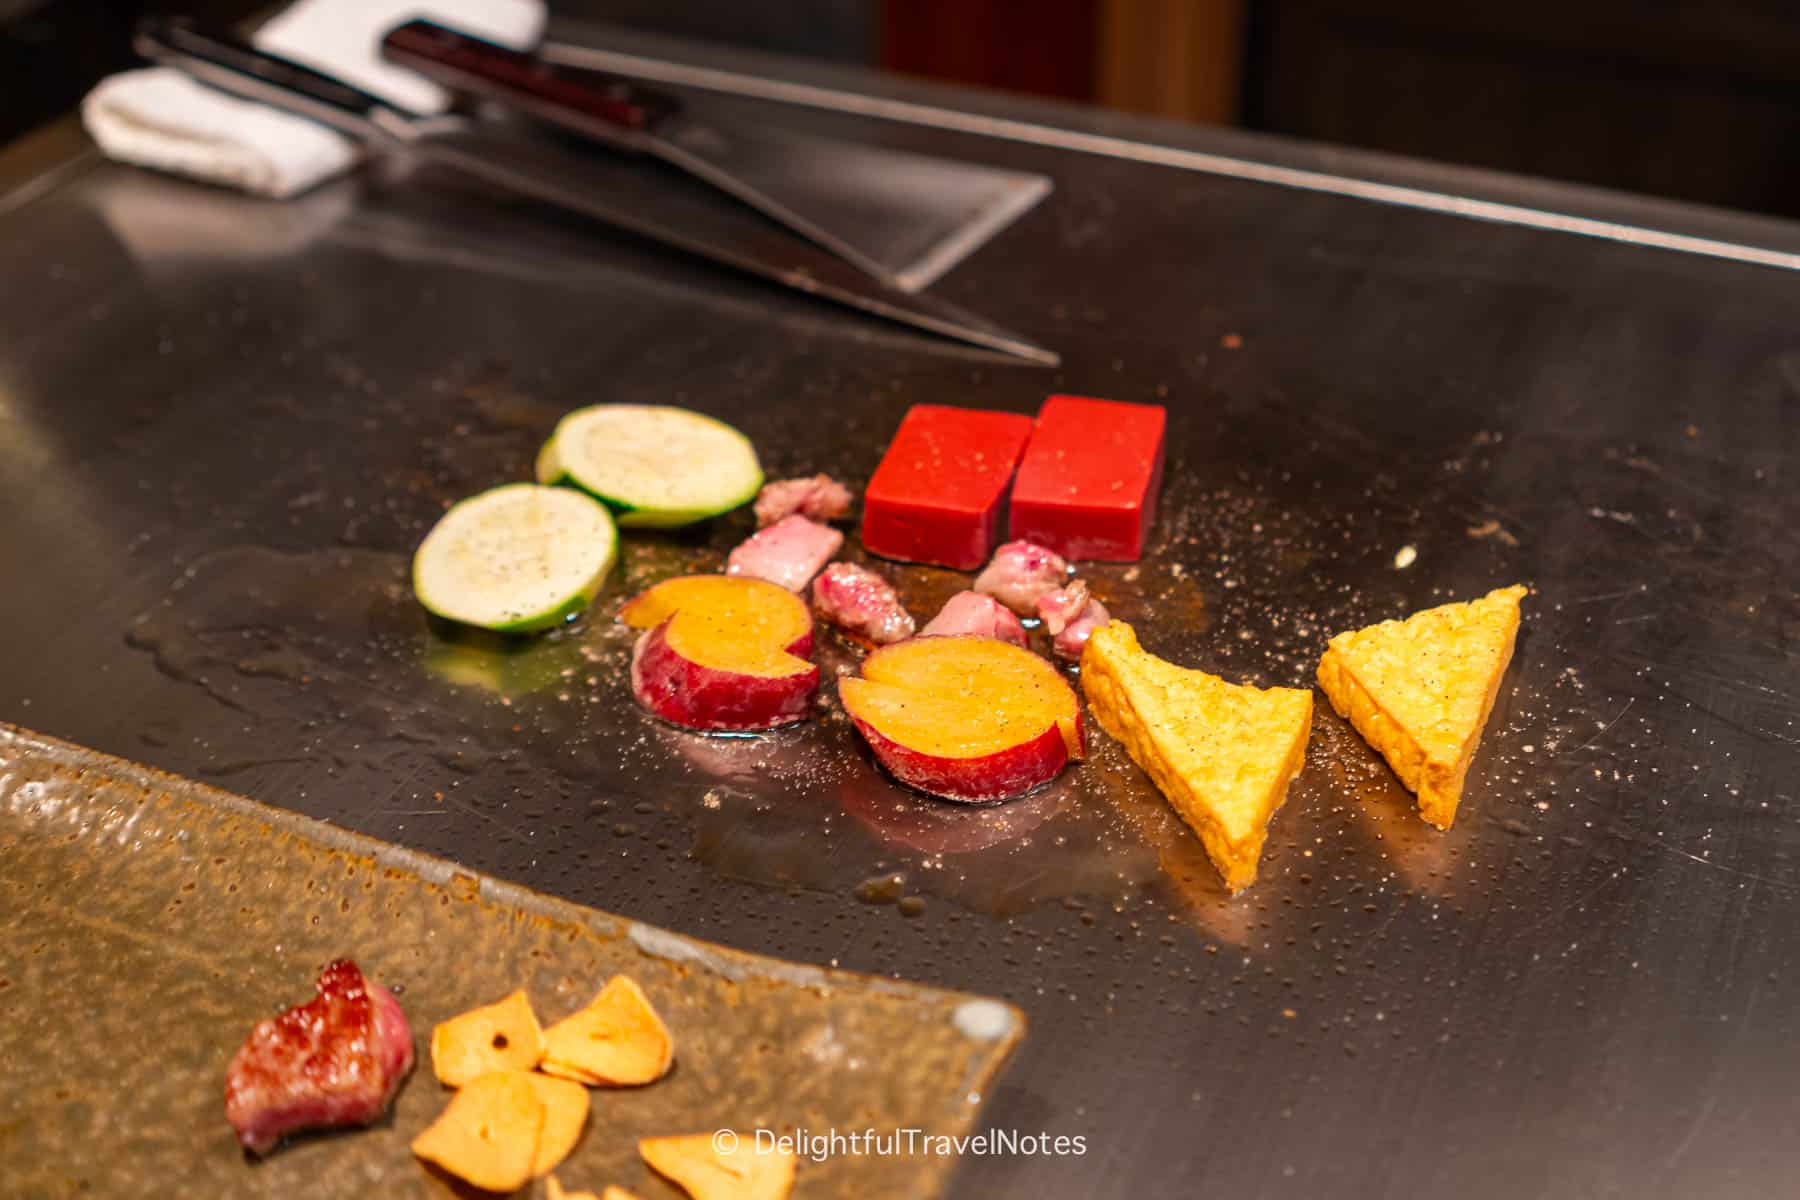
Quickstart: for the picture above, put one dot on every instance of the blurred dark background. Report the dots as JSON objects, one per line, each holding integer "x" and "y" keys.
{"x": 1697, "y": 101}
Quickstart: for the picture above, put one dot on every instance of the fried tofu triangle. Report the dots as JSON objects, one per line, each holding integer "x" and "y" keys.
{"x": 1222, "y": 753}
{"x": 708, "y": 1167}
{"x": 617, "y": 1039}
{"x": 1420, "y": 690}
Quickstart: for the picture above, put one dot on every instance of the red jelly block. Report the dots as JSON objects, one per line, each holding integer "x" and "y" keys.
{"x": 936, "y": 496}
{"x": 1087, "y": 488}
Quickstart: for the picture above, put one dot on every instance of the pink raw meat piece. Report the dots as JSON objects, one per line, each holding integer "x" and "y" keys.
{"x": 972, "y": 612}
{"x": 860, "y": 602}
{"x": 1019, "y": 573}
{"x": 789, "y": 552}
{"x": 1070, "y": 616}
{"x": 818, "y": 497}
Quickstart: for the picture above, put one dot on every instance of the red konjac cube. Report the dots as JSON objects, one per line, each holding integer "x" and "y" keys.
{"x": 936, "y": 496}
{"x": 1087, "y": 487}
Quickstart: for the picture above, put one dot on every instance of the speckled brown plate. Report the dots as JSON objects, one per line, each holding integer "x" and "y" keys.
{"x": 146, "y": 922}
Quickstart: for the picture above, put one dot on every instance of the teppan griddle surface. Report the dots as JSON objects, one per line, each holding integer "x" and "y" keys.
{"x": 229, "y": 422}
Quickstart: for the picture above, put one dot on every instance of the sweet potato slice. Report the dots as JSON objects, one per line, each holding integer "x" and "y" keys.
{"x": 488, "y": 1134}
{"x": 976, "y": 672}
{"x": 729, "y": 623}
{"x": 707, "y": 1170}
{"x": 722, "y": 653}
{"x": 503, "y": 1036}
{"x": 966, "y": 717}
{"x": 618, "y": 1039}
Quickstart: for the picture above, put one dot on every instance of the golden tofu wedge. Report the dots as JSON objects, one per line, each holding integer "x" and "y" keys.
{"x": 1223, "y": 754}
{"x": 707, "y": 1166}
{"x": 1420, "y": 690}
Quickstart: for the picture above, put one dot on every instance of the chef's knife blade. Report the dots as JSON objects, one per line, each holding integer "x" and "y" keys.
{"x": 690, "y": 219}
{"x": 903, "y": 218}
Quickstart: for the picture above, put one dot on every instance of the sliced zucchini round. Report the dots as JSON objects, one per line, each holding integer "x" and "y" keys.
{"x": 657, "y": 467}
{"x": 516, "y": 559}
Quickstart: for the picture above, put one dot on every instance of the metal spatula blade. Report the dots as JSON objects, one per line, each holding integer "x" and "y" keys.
{"x": 903, "y": 218}
{"x": 908, "y": 217}
{"x": 608, "y": 188}
{"x": 697, "y": 221}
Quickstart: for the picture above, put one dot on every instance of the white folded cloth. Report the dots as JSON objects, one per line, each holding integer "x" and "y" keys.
{"x": 158, "y": 117}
